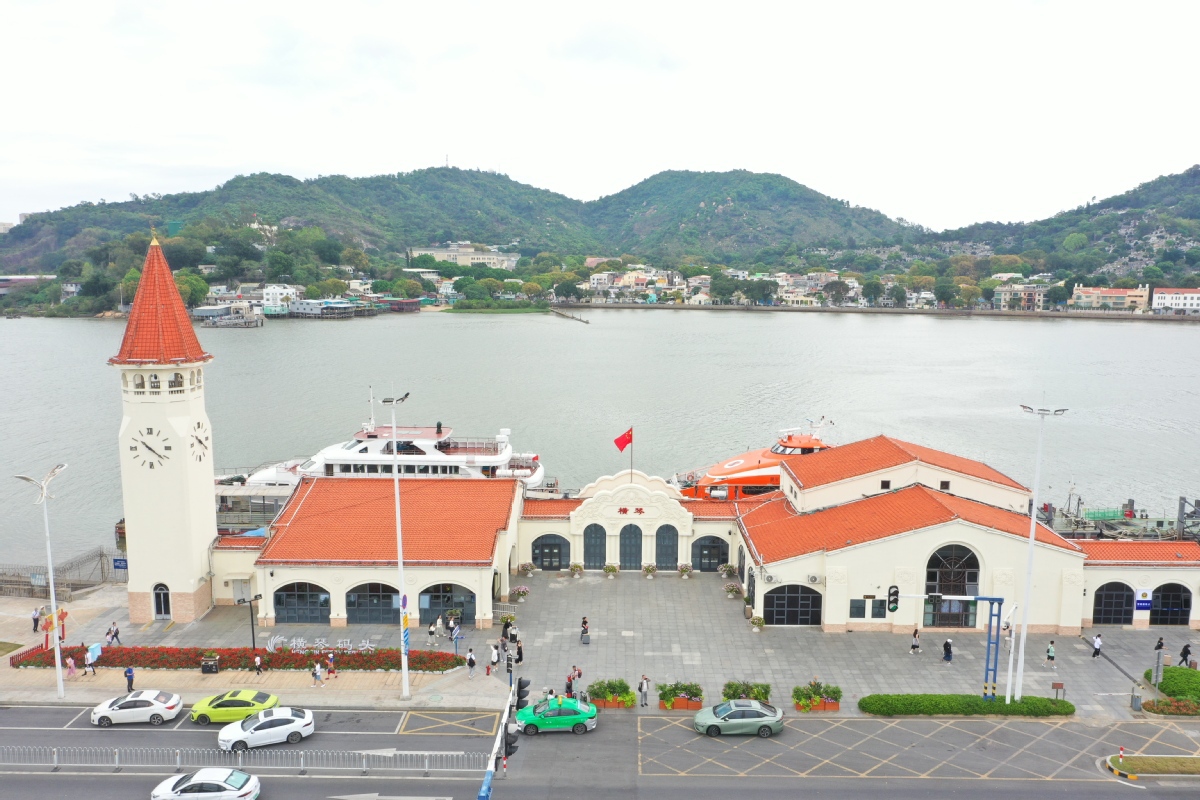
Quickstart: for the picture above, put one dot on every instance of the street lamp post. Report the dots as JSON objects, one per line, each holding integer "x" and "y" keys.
{"x": 250, "y": 602}
{"x": 44, "y": 495}
{"x": 406, "y": 692}
{"x": 1042, "y": 413}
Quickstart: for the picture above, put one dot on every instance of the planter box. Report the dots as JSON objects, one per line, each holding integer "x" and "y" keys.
{"x": 822, "y": 705}
{"x": 695, "y": 705}
{"x": 749, "y": 612}
{"x": 680, "y": 705}
{"x": 210, "y": 666}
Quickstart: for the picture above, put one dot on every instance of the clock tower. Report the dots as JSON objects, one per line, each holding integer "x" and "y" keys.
{"x": 165, "y": 447}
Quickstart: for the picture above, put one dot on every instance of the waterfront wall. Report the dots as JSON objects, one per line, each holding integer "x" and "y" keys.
{"x": 1111, "y": 316}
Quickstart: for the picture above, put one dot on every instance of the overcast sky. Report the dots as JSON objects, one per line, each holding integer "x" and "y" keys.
{"x": 943, "y": 114}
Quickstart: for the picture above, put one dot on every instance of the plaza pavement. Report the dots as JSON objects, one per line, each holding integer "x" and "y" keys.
{"x": 669, "y": 628}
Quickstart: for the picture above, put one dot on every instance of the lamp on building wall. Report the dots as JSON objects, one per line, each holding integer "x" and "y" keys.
{"x": 56, "y": 624}
{"x": 392, "y": 402}
{"x": 1042, "y": 413}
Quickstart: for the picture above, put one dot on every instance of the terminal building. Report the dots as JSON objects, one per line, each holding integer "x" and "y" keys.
{"x": 821, "y": 551}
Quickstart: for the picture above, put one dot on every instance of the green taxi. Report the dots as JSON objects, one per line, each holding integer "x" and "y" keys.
{"x": 232, "y": 706}
{"x": 739, "y": 716}
{"x": 557, "y": 714}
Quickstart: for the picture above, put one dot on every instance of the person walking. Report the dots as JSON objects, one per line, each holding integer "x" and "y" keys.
{"x": 503, "y": 645}
{"x": 70, "y": 667}
{"x": 947, "y": 652}
{"x": 470, "y": 663}
{"x": 916, "y": 642}
{"x": 37, "y": 617}
{"x": 504, "y": 630}
{"x": 257, "y": 664}
{"x": 89, "y": 662}
{"x": 1185, "y": 654}
{"x": 316, "y": 675}
{"x": 432, "y": 640}
{"x": 439, "y": 626}
{"x": 1096, "y": 643}
{"x": 129, "y": 679}
{"x": 1050, "y": 656}
{"x": 583, "y": 630}
{"x": 494, "y": 666}
{"x": 520, "y": 652}
{"x": 644, "y": 691}
{"x": 116, "y": 632}
{"x": 570, "y": 687}
{"x": 332, "y": 665}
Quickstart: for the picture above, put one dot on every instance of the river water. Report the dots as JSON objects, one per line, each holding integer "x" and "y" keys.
{"x": 695, "y": 386}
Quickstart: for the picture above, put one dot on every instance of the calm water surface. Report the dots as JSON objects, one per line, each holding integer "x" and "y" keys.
{"x": 695, "y": 386}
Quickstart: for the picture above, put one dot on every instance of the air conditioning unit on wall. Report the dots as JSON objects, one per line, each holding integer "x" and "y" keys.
{"x": 814, "y": 579}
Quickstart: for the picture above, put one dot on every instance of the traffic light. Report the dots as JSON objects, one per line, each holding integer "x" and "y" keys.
{"x": 893, "y": 598}
{"x": 522, "y": 693}
{"x": 510, "y": 743}
{"x": 509, "y": 663}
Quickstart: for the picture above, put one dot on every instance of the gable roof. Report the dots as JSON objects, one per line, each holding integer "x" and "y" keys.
{"x": 882, "y": 452}
{"x": 559, "y": 508}
{"x": 352, "y": 521}
{"x": 1107, "y": 551}
{"x": 778, "y": 532}
{"x": 159, "y": 330}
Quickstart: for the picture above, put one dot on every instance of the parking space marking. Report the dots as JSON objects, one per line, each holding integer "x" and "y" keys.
{"x": 448, "y": 723}
{"x": 400, "y": 724}
{"x": 77, "y": 716}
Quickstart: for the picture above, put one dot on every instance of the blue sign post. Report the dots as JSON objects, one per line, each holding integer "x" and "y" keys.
{"x": 120, "y": 563}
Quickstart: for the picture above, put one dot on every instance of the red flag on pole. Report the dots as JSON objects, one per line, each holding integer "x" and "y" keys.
{"x": 624, "y": 440}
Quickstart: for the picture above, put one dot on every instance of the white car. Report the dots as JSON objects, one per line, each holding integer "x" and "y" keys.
{"x": 267, "y": 727}
{"x": 211, "y": 784}
{"x": 148, "y": 705}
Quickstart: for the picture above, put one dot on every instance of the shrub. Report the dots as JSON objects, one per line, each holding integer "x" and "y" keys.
{"x": 960, "y": 705}
{"x": 507, "y": 618}
{"x": 1174, "y": 706}
{"x": 649, "y": 569}
{"x": 519, "y": 591}
{"x": 611, "y": 569}
{"x": 727, "y": 570}
{"x": 814, "y": 690}
{"x": 1178, "y": 681}
{"x": 667, "y": 692}
{"x": 757, "y": 622}
{"x": 732, "y": 588}
{"x": 243, "y": 658}
{"x": 528, "y": 566}
{"x": 744, "y": 690}
{"x": 685, "y": 569}
{"x": 576, "y": 568}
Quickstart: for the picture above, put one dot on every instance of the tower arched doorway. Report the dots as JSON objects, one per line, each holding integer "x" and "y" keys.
{"x": 551, "y": 552}
{"x": 708, "y": 553}
{"x": 1113, "y": 605}
{"x": 162, "y": 602}
{"x": 952, "y": 570}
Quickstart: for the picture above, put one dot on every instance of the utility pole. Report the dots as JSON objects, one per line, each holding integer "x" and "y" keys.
{"x": 56, "y": 629}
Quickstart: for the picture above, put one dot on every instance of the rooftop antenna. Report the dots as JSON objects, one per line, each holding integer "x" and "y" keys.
{"x": 447, "y": 159}
{"x": 371, "y": 422}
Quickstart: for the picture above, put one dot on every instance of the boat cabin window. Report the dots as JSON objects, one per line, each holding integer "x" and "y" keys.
{"x": 454, "y": 470}
{"x": 422, "y": 469}
{"x": 362, "y": 468}
{"x": 410, "y": 469}
{"x": 806, "y": 450}
{"x": 343, "y": 467}
{"x": 386, "y": 469}
{"x": 350, "y": 445}
{"x": 329, "y": 470}
{"x": 372, "y": 469}
{"x": 307, "y": 464}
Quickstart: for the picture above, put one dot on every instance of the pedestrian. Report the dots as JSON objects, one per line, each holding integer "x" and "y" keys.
{"x": 89, "y": 662}
{"x": 108, "y": 638}
{"x": 129, "y": 679}
{"x": 1185, "y": 654}
{"x": 916, "y": 642}
{"x": 495, "y": 660}
{"x": 37, "y": 617}
{"x": 1050, "y": 656}
{"x": 520, "y": 652}
{"x": 116, "y": 633}
{"x": 70, "y": 667}
{"x": 1159, "y": 645}
{"x": 570, "y": 688}
{"x": 430, "y": 642}
{"x": 505, "y": 629}
{"x": 316, "y": 675}
{"x": 470, "y": 663}
{"x": 947, "y": 652}
{"x": 439, "y": 626}
{"x": 644, "y": 691}
{"x": 583, "y": 630}
{"x": 576, "y": 673}
{"x": 257, "y": 664}
{"x": 332, "y": 666}
{"x": 1096, "y": 642}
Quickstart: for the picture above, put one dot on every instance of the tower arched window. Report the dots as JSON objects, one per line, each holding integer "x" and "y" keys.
{"x": 176, "y": 381}
{"x": 199, "y": 377}
{"x": 124, "y": 381}
{"x": 139, "y": 382}
{"x": 192, "y": 378}
{"x": 154, "y": 383}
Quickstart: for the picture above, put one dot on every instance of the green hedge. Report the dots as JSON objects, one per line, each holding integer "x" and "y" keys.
{"x": 736, "y": 690}
{"x": 1178, "y": 681}
{"x": 609, "y": 690}
{"x": 960, "y": 705}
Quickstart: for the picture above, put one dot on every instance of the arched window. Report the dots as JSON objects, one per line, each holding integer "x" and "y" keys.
{"x": 708, "y": 553}
{"x": 192, "y": 378}
{"x": 952, "y": 570}
{"x": 302, "y": 602}
{"x": 373, "y": 603}
{"x": 551, "y": 552}
{"x": 631, "y": 547}
{"x": 666, "y": 547}
{"x": 199, "y": 377}
{"x": 139, "y": 382}
{"x": 1113, "y": 605}
{"x": 1171, "y": 604}
{"x": 792, "y": 604}
{"x": 595, "y": 546}
{"x": 124, "y": 380}
{"x": 176, "y": 381}
{"x": 445, "y": 600}
{"x": 154, "y": 384}
{"x": 162, "y": 602}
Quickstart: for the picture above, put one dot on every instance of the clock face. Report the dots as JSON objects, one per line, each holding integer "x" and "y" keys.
{"x": 200, "y": 443}
{"x": 150, "y": 448}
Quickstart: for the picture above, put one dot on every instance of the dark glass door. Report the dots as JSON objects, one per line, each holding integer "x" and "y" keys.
{"x": 666, "y": 548}
{"x": 631, "y": 547}
{"x": 594, "y": 547}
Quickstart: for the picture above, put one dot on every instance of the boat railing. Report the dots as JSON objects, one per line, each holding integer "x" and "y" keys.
{"x": 252, "y": 519}
{"x": 477, "y": 446}
{"x": 689, "y": 478}
{"x": 228, "y": 472}
{"x": 523, "y": 462}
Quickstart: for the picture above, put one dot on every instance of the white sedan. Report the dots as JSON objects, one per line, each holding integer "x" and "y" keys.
{"x": 267, "y": 727}
{"x": 149, "y": 705}
{"x": 211, "y": 784}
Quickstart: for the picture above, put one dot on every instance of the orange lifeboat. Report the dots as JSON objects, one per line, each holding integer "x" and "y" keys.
{"x": 752, "y": 473}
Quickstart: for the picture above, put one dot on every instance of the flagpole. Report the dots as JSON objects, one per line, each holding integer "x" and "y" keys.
{"x": 631, "y": 455}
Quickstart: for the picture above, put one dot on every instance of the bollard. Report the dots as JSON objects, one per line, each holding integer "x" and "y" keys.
{"x": 505, "y": 773}
{"x": 427, "y": 765}
{"x": 55, "y": 753}
{"x": 1121, "y": 757}
{"x": 364, "y": 764}
{"x": 239, "y": 752}
{"x": 301, "y": 762}
{"x": 116, "y": 760}
{"x": 178, "y": 761}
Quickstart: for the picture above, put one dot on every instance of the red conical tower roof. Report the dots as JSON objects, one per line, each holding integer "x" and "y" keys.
{"x": 159, "y": 330}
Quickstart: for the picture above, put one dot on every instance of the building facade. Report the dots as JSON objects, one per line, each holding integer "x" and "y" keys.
{"x": 1171, "y": 301}
{"x": 1098, "y": 298}
{"x": 465, "y": 254}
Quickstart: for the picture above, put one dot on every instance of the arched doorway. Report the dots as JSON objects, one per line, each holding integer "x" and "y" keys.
{"x": 302, "y": 602}
{"x": 442, "y": 598}
{"x": 666, "y": 547}
{"x": 952, "y": 570}
{"x": 708, "y": 553}
{"x": 792, "y": 604}
{"x": 631, "y": 547}
{"x": 1113, "y": 605}
{"x": 551, "y": 552}
{"x": 162, "y": 602}
{"x": 1171, "y": 604}
{"x": 373, "y": 603}
{"x": 595, "y": 545}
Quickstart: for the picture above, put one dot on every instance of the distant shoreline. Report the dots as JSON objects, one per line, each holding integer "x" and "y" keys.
{"x": 1111, "y": 316}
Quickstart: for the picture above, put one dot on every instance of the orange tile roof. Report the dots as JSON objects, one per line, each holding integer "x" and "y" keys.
{"x": 235, "y": 542}
{"x": 1176, "y": 554}
{"x": 351, "y": 521}
{"x": 778, "y": 532}
{"x": 550, "y": 509}
{"x": 159, "y": 330}
{"x": 716, "y": 509}
{"x": 881, "y": 452}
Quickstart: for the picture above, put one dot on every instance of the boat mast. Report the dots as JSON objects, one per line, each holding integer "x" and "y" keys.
{"x": 371, "y": 401}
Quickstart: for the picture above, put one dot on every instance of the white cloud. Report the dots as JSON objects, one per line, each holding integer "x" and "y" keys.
{"x": 944, "y": 114}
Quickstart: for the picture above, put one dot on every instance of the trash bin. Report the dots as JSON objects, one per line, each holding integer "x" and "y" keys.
{"x": 1135, "y": 701}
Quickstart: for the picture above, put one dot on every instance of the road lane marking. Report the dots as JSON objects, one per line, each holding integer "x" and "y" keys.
{"x": 77, "y": 716}
{"x": 400, "y": 724}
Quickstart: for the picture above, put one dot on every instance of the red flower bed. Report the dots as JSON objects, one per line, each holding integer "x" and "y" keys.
{"x": 243, "y": 658}
{"x": 1172, "y": 705}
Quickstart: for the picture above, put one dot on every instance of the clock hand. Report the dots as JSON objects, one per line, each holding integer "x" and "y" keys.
{"x": 199, "y": 441}
{"x": 151, "y": 449}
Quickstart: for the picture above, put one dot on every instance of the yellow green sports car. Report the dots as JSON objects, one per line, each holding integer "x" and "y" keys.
{"x": 232, "y": 706}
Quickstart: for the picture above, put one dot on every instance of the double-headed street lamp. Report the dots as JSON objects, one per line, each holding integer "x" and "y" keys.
{"x": 249, "y": 601}
{"x": 406, "y": 692}
{"x": 44, "y": 495}
{"x": 1042, "y": 413}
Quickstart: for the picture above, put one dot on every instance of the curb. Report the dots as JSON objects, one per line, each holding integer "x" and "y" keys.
{"x": 1117, "y": 772}
{"x": 339, "y": 707}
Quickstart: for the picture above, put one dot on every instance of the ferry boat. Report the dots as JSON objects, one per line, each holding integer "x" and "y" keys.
{"x": 422, "y": 452}
{"x": 755, "y": 472}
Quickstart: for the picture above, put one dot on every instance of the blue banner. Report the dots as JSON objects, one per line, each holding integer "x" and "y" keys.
{"x": 1143, "y": 605}
{"x": 120, "y": 563}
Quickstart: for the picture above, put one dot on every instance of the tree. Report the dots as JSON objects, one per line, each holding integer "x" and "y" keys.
{"x": 490, "y": 285}
{"x": 898, "y": 295}
{"x": 192, "y": 288}
{"x": 837, "y": 291}
{"x": 461, "y": 284}
{"x": 332, "y": 287}
{"x": 921, "y": 283}
{"x": 1074, "y": 242}
{"x": 531, "y": 289}
{"x": 279, "y": 264}
{"x": 970, "y": 294}
{"x": 567, "y": 289}
{"x": 872, "y": 290}
{"x": 1152, "y": 273}
{"x": 474, "y": 291}
{"x": 944, "y": 291}
{"x": 353, "y": 257}
{"x": 328, "y": 250}
{"x": 1057, "y": 295}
